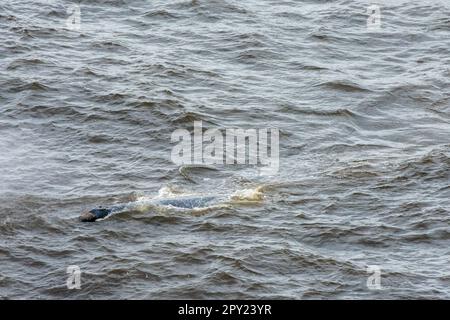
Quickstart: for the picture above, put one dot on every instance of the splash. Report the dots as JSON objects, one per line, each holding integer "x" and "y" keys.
{"x": 168, "y": 192}
{"x": 248, "y": 195}
{"x": 163, "y": 193}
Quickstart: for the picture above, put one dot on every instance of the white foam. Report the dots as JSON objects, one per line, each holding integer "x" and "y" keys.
{"x": 252, "y": 195}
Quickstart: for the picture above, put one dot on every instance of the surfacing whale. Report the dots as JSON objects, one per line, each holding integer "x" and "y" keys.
{"x": 186, "y": 202}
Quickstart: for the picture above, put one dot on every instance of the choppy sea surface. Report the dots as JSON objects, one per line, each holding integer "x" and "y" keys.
{"x": 86, "y": 118}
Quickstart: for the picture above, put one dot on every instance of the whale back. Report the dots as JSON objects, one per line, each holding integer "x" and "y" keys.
{"x": 188, "y": 202}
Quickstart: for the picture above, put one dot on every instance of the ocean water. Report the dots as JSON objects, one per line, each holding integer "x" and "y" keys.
{"x": 87, "y": 111}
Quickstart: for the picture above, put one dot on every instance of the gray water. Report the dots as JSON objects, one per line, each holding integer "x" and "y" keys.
{"x": 86, "y": 118}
